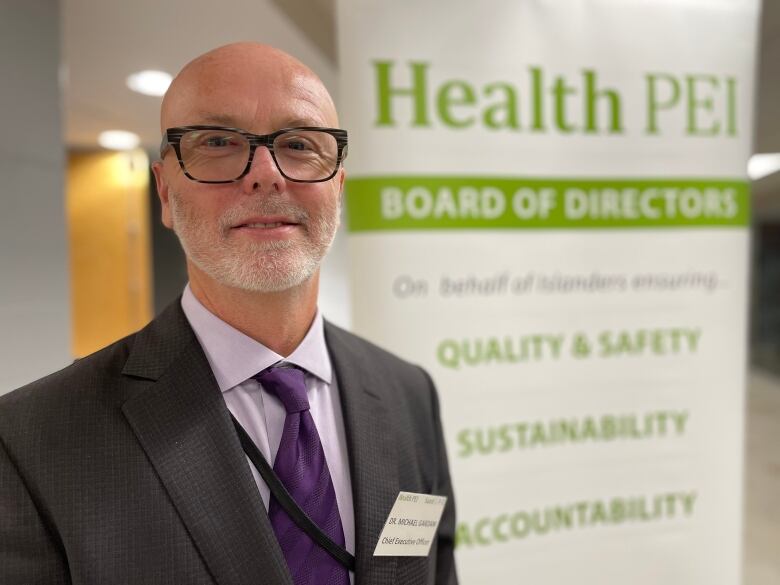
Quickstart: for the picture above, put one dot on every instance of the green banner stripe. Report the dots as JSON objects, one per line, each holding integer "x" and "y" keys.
{"x": 424, "y": 202}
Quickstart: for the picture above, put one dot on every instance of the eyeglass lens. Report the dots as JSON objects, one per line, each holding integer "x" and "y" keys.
{"x": 222, "y": 155}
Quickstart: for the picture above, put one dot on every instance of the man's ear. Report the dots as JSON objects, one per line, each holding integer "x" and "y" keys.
{"x": 342, "y": 178}
{"x": 163, "y": 192}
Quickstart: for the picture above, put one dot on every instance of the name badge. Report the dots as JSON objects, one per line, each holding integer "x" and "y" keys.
{"x": 411, "y": 526}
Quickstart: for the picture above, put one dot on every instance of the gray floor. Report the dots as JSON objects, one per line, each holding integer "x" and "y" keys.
{"x": 762, "y": 485}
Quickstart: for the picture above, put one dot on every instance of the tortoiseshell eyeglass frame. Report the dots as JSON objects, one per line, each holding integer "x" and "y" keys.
{"x": 173, "y": 136}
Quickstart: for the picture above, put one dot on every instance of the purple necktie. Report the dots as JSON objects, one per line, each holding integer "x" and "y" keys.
{"x": 301, "y": 466}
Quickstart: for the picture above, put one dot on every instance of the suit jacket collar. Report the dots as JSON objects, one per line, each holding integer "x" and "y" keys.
{"x": 180, "y": 419}
{"x": 365, "y": 400}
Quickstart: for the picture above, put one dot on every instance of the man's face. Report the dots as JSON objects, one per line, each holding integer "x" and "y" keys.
{"x": 262, "y": 233}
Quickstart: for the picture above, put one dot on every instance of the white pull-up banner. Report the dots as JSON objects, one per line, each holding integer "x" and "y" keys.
{"x": 548, "y": 210}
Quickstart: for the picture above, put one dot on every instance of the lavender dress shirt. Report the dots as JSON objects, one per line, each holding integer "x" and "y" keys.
{"x": 235, "y": 358}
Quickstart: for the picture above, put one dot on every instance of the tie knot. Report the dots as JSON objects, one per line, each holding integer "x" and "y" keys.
{"x": 288, "y": 385}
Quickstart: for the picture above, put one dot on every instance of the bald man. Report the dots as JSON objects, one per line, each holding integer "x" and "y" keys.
{"x": 143, "y": 463}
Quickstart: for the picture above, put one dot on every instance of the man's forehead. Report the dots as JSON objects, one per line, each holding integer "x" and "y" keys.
{"x": 298, "y": 100}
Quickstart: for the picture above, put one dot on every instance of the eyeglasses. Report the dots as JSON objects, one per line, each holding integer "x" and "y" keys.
{"x": 215, "y": 154}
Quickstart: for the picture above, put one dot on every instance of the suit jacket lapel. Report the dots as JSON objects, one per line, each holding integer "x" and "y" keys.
{"x": 372, "y": 454}
{"x": 183, "y": 424}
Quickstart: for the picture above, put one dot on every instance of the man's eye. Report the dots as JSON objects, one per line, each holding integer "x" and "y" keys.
{"x": 297, "y": 145}
{"x": 217, "y": 141}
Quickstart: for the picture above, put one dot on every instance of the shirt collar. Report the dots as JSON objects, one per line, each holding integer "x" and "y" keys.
{"x": 235, "y": 357}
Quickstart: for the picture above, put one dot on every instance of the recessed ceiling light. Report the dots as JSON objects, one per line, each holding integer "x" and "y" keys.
{"x": 149, "y": 82}
{"x": 763, "y": 165}
{"x": 118, "y": 140}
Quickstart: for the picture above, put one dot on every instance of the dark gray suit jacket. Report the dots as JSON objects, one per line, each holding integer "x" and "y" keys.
{"x": 124, "y": 468}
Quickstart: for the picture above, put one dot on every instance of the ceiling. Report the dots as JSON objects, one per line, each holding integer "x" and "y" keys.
{"x": 104, "y": 41}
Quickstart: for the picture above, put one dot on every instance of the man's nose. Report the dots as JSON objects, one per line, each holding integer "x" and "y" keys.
{"x": 263, "y": 173}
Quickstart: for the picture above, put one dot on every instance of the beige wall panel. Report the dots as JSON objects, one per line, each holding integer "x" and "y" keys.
{"x": 108, "y": 220}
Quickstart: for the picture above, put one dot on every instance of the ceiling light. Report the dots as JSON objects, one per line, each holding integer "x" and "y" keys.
{"x": 118, "y": 140}
{"x": 149, "y": 82}
{"x": 763, "y": 165}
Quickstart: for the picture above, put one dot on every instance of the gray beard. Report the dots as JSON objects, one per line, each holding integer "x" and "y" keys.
{"x": 262, "y": 267}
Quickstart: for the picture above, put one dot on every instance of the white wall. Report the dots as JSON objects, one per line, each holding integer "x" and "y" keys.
{"x": 34, "y": 295}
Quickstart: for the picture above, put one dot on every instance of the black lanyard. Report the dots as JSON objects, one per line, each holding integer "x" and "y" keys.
{"x": 287, "y": 502}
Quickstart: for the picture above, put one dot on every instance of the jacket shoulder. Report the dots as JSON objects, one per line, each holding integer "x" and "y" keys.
{"x": 92, "y": 374}
{"x": 99, "y": 375}
{"x": 377, "y": 356}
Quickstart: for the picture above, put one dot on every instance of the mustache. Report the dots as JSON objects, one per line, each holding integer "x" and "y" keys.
{"x": 264, "y": 206}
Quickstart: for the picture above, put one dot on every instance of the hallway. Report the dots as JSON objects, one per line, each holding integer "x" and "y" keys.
{"x": 762, "y": 484}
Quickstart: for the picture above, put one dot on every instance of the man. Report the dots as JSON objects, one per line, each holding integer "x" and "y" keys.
{"x": 126, "y": 467}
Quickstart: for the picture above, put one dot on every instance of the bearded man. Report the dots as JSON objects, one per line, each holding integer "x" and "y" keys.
{"x": 238, "y": 438}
